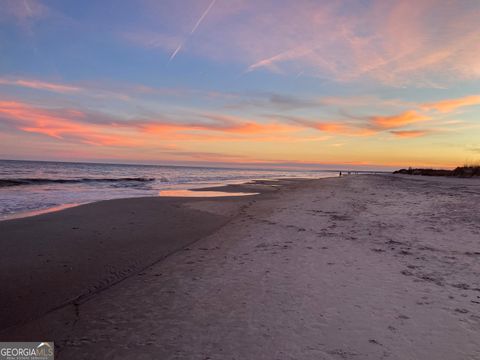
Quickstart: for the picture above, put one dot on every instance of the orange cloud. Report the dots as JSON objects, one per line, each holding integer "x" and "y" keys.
{"x": 394, "y": 121}
{"x": 330, "y": 127}
{"x": 235, "y": 124}
{"x": 408, "y": 133}
{"x": 450, "y": 105}
{"x": 219, "y": 123}
{"x": 345, "y": 129}
{"x": 60, "y": 125}
{"x": 340, "y": 127}
{"x": 68, "y": 124}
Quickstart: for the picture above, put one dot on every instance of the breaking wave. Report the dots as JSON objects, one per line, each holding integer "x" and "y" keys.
{"x": 45, "y": 181}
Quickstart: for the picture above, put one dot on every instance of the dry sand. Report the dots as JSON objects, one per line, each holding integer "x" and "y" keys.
{"x": 359, "y": 267}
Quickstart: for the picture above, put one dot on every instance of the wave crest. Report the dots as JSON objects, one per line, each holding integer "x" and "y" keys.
{"x": 45, "y": 181}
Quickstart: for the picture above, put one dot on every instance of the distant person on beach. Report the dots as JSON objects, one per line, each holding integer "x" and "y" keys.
{"x": 340, "y": 174}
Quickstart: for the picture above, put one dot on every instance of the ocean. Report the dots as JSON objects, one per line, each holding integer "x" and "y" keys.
{"x": 32, "y": 187}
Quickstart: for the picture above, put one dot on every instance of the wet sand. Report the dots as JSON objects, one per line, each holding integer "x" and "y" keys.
{"x": 64, "y": 257}
{"x": 359, "y": 267}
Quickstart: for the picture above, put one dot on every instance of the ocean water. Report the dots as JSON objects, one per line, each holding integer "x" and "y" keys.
{"x": 32, "y": 187}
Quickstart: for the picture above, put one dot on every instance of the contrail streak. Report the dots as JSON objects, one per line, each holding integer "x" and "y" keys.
{"x": 197, "y": 24}
{"x": 291, "y": 54}
{"x": 205, "y": 13}
{"x": 179, "y": 47}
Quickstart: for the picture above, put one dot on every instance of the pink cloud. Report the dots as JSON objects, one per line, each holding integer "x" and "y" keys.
{"x": 60, "y": 124}
{"x": 409, "y": 133}
{"x": 41, "y": 85}
{"x": 24, "y": 10}
{"x": 99, "y": 129}
{"x": 339, "y": 126}
{"x": 393, "y": 42}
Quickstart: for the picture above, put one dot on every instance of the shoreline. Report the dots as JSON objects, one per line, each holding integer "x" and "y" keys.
{"x": 229, "y": 187}
{"x": 101, "y": 250}
{"x": 97, "y": 227}
{"x": 388, "y": 262}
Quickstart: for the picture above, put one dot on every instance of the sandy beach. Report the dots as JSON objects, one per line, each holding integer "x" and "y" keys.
{"x": 357, "y": 267}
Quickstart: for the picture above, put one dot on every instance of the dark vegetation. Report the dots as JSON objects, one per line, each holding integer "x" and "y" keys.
{"x": 461, "y": 171}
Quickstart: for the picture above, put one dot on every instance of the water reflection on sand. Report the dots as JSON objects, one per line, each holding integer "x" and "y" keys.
{"x": 37, "y": 211}
{"x": 193, "y": 193}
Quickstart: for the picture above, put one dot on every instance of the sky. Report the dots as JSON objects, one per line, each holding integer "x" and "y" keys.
{"x": 272, "y": 83}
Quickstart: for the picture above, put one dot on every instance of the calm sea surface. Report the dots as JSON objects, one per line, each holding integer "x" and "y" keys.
{"x": 29, "y": 187}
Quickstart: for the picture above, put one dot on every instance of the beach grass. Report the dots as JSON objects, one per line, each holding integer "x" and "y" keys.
{"x": 465, "y": 171}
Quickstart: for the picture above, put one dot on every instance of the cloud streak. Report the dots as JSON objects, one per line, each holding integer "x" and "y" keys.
{"x": 100, "y": 129}
{"x": 213, "y": 126}
{"x": 394, "y": 121}
{"x": 409, "y": 133}
{"x": 449, "y": 105}
{"x": 66, "y": 124}
{"x": 40, "y": 85}
{"x": 398, "y": 44}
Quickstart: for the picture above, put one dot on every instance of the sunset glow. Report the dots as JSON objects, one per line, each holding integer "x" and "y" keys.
{"x": 368, "y": 84}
